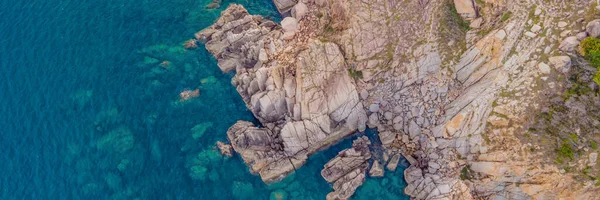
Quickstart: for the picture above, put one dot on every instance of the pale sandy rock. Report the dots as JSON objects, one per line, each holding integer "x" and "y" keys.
{"x": 536, "y": 28}
{"x": 262, "y": 56}
{"x": 289, "y": 24}
{"x": 561, "y": 63}
{"x": 299, "y": 10}
{"x": 544, "y": 68}
{"x": 465, "y": 8}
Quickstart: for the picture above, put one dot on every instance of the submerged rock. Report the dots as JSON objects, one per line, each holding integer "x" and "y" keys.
{"x": 243, "y": 190}
{"x": 376, "y": 170}
{"x": 199, "y": 130}
{"x": 119, "y": 140}
{"x": 278, "y": 195}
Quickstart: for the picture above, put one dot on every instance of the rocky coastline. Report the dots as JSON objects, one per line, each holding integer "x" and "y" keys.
{"x": 449, "y": 86}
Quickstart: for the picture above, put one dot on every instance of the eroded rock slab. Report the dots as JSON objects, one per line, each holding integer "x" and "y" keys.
{"x": 347, "y": 170}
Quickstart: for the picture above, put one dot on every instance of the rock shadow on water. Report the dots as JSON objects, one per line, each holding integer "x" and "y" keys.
{"x": 308, "y": 183}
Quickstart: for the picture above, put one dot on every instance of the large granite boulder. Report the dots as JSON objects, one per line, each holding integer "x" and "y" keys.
{"x": 347, "y": 170}
{"x": 593, "y": 28}
{"x": 569, "y": 44}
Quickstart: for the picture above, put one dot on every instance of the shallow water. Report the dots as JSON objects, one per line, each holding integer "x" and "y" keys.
{"x": 88, "y": 111}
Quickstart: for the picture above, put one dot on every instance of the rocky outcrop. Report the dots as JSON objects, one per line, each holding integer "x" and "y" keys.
{"x": 284, "y": 6}
{"x": 347, "y": 170}
{"x": 225, "y": 149}
{"x": 466, "y": 8}
{"x": 454, "y": 104}
{"x": 301, "y": 94}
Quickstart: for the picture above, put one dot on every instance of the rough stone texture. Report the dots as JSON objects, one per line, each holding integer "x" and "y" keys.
{"x": 569, "y": 44}
{"x": 445, "y": 104}
{"x": 304, "y": 103}
{"x": 225, "y": 149}
{"x": 347, "y": 170}
{"x": 561, "y": 63}
{"x": 299, "y": 10}
{"x": 376, "y": 170}
{"x": 465, "y": 8}
{"x": 544, "y": 68}
{"x": 593, "y": 28}
{"x": 284, "y": 6}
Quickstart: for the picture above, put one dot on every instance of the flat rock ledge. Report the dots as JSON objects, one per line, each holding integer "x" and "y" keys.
{"x": 298, "y": 88}
{"x": 347, "y": 171}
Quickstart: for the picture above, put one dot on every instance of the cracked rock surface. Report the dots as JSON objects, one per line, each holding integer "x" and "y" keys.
{"x": 451, "y": 86}
{"x": 304, "y": 99}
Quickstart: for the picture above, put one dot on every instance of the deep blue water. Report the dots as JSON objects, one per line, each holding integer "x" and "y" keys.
{"x": 88, "y": 112}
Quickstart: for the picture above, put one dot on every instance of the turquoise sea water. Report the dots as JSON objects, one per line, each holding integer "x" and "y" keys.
{"x": 87, "y": 111}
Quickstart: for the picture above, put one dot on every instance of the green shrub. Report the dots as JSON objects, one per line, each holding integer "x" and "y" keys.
{"x": 355, "y": 74}
{"x": 455, "y": 18}
{"x": 506, "y": 16}
{"x": 565, "y": 152}
{"x": 590, "y": 50}
{"x": 466, "y": 173}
